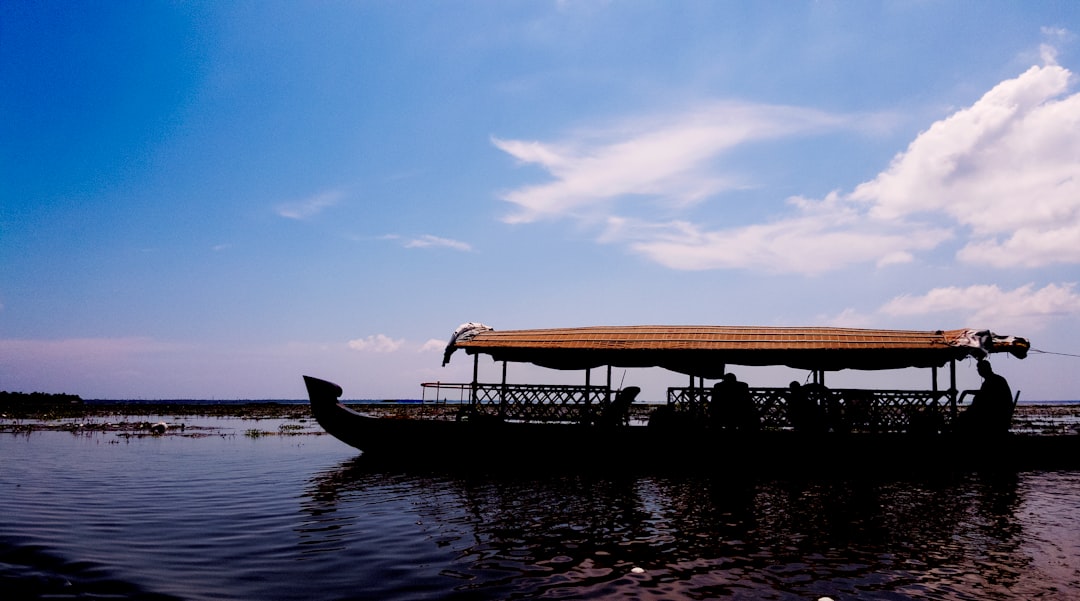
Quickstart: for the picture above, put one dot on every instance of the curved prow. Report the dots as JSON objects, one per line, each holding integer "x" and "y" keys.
{"x": 323, "y": 394}
{"x": 338, "y": 420}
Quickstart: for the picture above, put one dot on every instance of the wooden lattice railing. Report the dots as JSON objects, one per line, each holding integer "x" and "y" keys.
{"x": 530, "y": 402}
{"x": 843, "y": 409}
{"x": 848, "y": 410}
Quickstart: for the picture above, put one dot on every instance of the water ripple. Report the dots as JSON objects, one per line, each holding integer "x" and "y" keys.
{"x": 295, "y": 518}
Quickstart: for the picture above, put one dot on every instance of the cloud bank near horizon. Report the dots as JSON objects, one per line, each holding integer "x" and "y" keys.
{"x": 1025, "y": 309}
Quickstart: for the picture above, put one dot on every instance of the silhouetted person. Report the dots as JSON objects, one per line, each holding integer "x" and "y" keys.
{"x": 618, "y": 412}
{"x": 830, "y": 409}
{"x": 732, "y": 408}
{"x": 803, "y": 411}
{"x": 992, "y": 408}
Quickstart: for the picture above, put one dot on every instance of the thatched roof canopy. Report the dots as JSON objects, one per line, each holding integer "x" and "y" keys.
{"x": 705, "y": 350}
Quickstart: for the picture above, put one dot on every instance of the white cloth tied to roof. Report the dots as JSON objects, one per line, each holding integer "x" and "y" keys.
{"x": 982, "y": 343}
{"x": 463, "y": 332}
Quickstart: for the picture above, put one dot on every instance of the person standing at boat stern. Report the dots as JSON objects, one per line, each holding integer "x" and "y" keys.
{"x": 992, "y": 408}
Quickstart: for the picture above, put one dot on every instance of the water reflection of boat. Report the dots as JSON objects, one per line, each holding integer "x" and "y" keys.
{"x": 506, "y": 423}
{"x": 693, "y": 536}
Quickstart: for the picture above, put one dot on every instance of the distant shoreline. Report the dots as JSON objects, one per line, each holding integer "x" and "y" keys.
{"x": 236, "y": 402}
{"x": 1027, "y": 411}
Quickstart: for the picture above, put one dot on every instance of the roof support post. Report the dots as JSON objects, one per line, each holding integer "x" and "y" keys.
{"x": 952, "y": 387}
{"x": 502, "y": 392}
{"x": 475, "y": 380}
{"x": 588, "y": 383}
{"x": 607, "y": 394}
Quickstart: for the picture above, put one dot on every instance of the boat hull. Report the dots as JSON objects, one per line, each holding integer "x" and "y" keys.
{"x": 493, "y": 444}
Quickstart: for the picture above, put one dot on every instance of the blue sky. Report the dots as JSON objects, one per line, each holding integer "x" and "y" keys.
{"x": 209, "y": 199}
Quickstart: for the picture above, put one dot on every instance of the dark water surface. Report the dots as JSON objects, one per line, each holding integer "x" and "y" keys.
{"x": 224, "y": 515}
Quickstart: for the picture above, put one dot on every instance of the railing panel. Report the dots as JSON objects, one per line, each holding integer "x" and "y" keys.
{"x": 532, "y": 402}
{"x": 848, "y": 410}
{"x": 842, "y": 409}
{"x": 893, "y": 410}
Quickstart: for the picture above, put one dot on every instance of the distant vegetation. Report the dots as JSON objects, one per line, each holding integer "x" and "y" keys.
{"x": 9, "y": 399}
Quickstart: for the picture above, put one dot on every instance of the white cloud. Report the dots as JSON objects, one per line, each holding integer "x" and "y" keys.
{"x": 990, "y": 306}
{"x": 309, "y": 207}
{"x": 1028, "y": 247}
{"x": 381, "y": 343}
{"x": 850, "y": 318}
{"x": 1007, "y": 169}
{"x": 1021, "y": 310}
{"x": 668, "y": 159}
{"x": 824, "y": 235}
{"x": 377, "y": 343}
{"x": 1002, "y": 176}
{"x": 433, "y": 345}
{"x": 1048, "y": 52}
{"x": 429, "y": 241}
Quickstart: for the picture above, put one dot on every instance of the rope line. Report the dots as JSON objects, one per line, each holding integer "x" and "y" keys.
{"x": 1035, "y": 350}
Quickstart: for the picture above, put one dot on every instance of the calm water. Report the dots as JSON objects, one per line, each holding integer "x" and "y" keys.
{"x": 224, "y": 515}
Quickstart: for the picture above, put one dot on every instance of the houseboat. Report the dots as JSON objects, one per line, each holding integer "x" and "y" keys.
{"x": 713, "y": 422}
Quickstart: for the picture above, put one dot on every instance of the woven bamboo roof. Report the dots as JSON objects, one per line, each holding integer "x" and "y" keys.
{"x": 705, "y": 350}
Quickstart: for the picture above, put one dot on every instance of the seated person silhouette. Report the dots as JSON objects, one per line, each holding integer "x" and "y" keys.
{"x": 831, "y": 407}
{"x": 804, "y": 414}
{"x": 732, "y": 408}
{"x": 617, "y": 413}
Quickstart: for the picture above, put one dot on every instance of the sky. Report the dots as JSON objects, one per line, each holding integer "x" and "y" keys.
{"x": 207, "y": 200}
